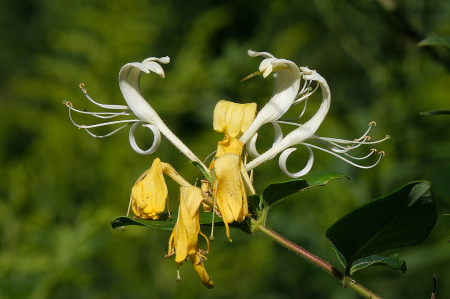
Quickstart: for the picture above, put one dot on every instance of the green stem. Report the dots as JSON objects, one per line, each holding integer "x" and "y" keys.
{"x": 346, "y": 280}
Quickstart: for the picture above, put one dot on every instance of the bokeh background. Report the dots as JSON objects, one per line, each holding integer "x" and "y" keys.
{"x": 59, "y": 187}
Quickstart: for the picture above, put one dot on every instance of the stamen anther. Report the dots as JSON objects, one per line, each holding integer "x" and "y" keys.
{"x": 372, "y": 123}
{"x": 82, "y": 88}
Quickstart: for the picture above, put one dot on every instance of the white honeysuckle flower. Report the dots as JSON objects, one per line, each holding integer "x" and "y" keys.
{"x": 286, "y": 85}
{"x": 304, "y": 132}
{"x": 129, "y": 83}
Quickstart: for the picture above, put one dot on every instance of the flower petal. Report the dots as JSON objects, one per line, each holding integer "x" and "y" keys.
{"x": 286, "y": 86}
{"x": 304, "y": 131}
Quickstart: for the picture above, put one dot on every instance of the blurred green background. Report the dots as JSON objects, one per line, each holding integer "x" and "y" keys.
{"x": 59, "y": 187}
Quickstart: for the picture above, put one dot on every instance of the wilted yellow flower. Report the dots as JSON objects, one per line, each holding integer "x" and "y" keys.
{"x": 149, "y": 194}
{"x": 183, "y": 241}
{"x": 233, "y": 119}
{"x": 230, "y": 194}
{"x": 199, "y": 267}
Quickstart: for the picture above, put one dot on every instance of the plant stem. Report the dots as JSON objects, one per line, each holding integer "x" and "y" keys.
{"x": 346, "y": 280}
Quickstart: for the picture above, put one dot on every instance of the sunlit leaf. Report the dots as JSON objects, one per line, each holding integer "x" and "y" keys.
{"x": 373, "y": 260}
{"x": 402, "y": 218}
{"x": 436, "y": 41}
{"x": 279, "y": 191}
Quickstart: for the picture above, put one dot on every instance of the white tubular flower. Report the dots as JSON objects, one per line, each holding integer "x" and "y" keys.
{"x": 129, "y": 83}
{"x": 306, "y": 132}
{"x": 286, "y": 85}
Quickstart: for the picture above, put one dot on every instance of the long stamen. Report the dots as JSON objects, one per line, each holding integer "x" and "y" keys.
{"x": 305, "y": 87}
{"x": 361, "y": 158}
{"x": 98, "y": 114}
{"x": 178, "y": 279}
{"x": 343, "y": 141}
{"x": 106, "y": 135}
{"x": 284, "y": 120}
{"x": 211, "y": 237}
{"x": 305, "y": 96}
{"x": 344, "y": 159}
{"x": 98, "y": 104}
{"x": 102, "y": 124}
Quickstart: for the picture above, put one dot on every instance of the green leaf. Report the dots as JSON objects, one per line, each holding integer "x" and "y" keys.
{"x": 254, "y": 201}
{"x": 435, "y": 112}
{"x": 279, "y": 191}
{"x": 373, "y": 260}
{"x": 436, "y": 41}
{"x": 404, "y": 217}
{"x": 164, "y": 222}
{"x": 205, "y": 173}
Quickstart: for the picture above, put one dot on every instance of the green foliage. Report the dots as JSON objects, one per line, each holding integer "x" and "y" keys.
{"x": 276, "y": 192}
{"x": 60, "y": 187}
{"x": 435, "y": 112}
{"x": 404, "y": 217}
{"x": 435, "y": 41}
{"x": 373, "y": 260}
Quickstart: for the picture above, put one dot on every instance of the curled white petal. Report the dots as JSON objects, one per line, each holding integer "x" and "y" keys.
{"x": 263, "y": 54}
{"x": 304, "y": 131}
{"x": 129, "y": 83}
{"x": 278, "y": 133}
{"x": 156, "y": 139}
{"x": 251, "y": 145}
{"x": 286, "y": 86}
{"x": 285, "y": 154}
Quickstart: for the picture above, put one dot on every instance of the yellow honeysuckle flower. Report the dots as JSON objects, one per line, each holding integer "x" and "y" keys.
{"x": 183, "y": 241}
{"x": 229, "y": 193}
{"x": 233, "y": 119}
{"x": 149, "y": 194}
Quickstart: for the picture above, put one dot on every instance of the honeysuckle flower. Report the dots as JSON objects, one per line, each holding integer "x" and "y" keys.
{"x": 233, "y": 119}
{"x": 229, "y": 190}
{"x": 149, "y": 194}
{"x": 286, "y": 85}
{"x": 282, "y": 99}
{"x": 183, "y": 241}
{"x": 129, "y": 83}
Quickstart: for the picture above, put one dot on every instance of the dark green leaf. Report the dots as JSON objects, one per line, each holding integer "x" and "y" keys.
{"x": 254, "y": 200}
{"x": 373, "y": 260}
{"x": 402, "y": 218}
{"x": 279, "y": 191}
{"x": 164, "y": 222}
{"x": 436, "y": 41}
{"x": 435, "y": 112}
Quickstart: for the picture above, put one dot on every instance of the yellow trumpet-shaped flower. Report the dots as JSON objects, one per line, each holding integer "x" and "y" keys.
{"x": 229, "y": 193}
{"x": 183, "y": 241}
{"x": 233, "y": 119}
{"x": 149, "y": 194}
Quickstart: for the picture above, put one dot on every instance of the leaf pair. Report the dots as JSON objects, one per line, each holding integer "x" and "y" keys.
{"x": 404, "y": 217}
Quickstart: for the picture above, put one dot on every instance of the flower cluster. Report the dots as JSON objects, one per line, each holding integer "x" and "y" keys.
{"x": 228, "y": 179}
